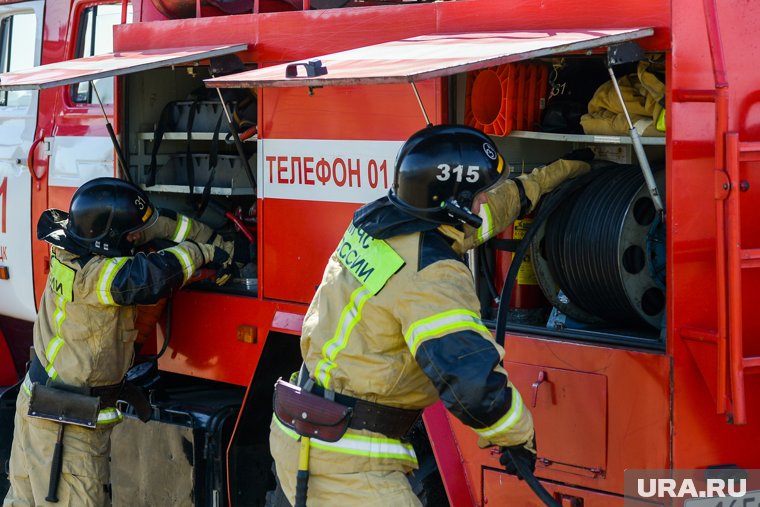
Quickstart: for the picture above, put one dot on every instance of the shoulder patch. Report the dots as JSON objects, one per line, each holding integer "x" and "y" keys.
{"x": 433, "y": 248}
{"x": 372, "y": 261}
{"x": 61, "y": 279}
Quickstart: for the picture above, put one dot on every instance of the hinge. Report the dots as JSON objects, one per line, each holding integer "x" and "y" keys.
{"x": 722, "y": 185}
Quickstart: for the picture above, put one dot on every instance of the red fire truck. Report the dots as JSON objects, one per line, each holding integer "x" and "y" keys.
{"x": 620, "y": 371}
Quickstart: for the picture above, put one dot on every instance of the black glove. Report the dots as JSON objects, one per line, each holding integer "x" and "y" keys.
{"x": 219, "y": 260}
{"x": 525, "y": 453}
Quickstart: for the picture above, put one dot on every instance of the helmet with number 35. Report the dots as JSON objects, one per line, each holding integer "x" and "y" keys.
{"x": 104, "y": 211}
{"x": 439, "y": 171}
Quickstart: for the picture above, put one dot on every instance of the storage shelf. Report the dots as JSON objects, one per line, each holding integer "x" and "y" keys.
{"x": 584, "y": 138}
{"x": 185, "y": 189}
{"x": 182, "y": 136}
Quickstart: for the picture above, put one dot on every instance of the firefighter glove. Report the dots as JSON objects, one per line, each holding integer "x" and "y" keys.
{"x": 524, "y": 453}
{"x": 213, "y": 256}
{"x": 223, "y": 275}
{"x": 219, "y": 259}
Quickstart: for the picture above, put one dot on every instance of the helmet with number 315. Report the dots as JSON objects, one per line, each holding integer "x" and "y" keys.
{"x": 439, "y": 171}
{"x": 104, "y": 211}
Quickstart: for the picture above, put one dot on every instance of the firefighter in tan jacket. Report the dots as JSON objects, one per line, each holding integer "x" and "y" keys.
{"x": 396, "y": 320}
{"x": 84, "y": 334}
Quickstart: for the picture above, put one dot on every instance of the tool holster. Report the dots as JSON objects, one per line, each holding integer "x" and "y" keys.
{"x": 310, "y": 415}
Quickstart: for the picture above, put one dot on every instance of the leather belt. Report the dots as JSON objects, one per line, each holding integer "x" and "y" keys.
{"x": 108, "y": 395}
{"x": 392, "y": 422}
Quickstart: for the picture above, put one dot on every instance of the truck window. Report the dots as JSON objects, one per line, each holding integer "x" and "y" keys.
{"x": 17, "y": 52}
{"x": 95, "y": 37}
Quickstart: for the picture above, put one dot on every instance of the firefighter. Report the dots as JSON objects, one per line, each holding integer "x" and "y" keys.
{"x": 395, "y": 323}
{"x": 84, "y": 334}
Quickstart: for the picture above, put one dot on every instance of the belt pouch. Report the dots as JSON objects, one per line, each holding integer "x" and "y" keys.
{"x": 310, "y": 415}
{"x": 63, "y": 406}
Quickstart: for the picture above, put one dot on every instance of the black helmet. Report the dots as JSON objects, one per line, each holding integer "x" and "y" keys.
{"x": 440, "y": 169}
{"x": 104, "y": 211}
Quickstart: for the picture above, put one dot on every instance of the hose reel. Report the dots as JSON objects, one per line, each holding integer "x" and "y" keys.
{"x": 600, "y": 257}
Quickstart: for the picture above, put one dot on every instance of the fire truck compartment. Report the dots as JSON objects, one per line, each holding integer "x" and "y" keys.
{"x": 579, "y": 400}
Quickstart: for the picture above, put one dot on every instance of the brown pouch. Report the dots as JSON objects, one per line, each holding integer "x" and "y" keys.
{"x": 310, "y": 415}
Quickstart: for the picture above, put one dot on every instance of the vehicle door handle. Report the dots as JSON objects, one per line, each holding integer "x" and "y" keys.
{"x": 30, "y": 157}
{"x": 542, "y": 377}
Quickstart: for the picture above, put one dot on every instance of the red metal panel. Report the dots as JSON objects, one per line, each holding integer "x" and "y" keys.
{"x": 484, "y": 15}
{"x": 299, "y": 238}
{"x": 429, "y": 56}
{"x": 203, "y": 340}
{"x": 692, "y": 227}
{"x": 447, "y": 455}
{"x": 288, "y": 35}
{"x": 570, "y": 406}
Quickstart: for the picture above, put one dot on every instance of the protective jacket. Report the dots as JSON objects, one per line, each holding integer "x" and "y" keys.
{"x": 396, "y": 321}
{"x": 85, "y": 330}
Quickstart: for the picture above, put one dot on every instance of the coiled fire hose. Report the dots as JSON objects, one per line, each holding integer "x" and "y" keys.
{"x": 549, "y": 204}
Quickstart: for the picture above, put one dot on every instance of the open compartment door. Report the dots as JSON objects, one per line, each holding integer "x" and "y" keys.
{"x": 113, "y": 64}
{"x": 425, "y": 57}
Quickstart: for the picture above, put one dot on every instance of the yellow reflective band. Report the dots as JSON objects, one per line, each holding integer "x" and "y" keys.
{"x": 61, "y": 279}
{"x": 660, "y": 125}
{"x": 59, "y": 315}
{"x": 351, "y": 314}
{"x": 372, "y": 261}
{"x": 184, "y": 258}
{"x": 500, "y": 167}
{"x": 27, "y": 386}
{"x": 107, "y": 274}
{"x": 109, "y": 416}
{"x": 485, "y": 229}
{"x": 361, "y": 445}
{"x": 442, "y": 324}
{"x": 54, "y": 346}
{"x": 51, "y": 351}
{"x": 183, "y": 229}
{"x": 51, "y": 371}
{"x": 508, "y": 421}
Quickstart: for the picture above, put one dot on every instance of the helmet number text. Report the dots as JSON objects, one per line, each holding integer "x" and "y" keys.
{"x": 140, "y": 202}
{"x": 458, "y": 173}
{"x": 3, "y": 199}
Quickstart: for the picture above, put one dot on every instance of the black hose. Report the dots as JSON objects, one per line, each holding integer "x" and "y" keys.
{"x": 524, "y": 471}
{"x": 548, "y": 205}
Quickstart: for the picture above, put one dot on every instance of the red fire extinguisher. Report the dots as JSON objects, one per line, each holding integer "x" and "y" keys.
{"x": 528, "y": 302}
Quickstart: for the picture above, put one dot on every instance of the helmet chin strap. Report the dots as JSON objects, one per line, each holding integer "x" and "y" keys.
{"x": 464, "y": 215}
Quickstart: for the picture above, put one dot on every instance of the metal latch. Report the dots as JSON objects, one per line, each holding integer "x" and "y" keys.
{"x": 313, "y": 68}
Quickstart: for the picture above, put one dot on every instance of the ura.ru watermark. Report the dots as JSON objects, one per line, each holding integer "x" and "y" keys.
{"x": 710, "y": 487}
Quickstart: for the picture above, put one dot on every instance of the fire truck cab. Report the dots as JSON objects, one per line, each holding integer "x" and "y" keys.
{"x": 629, "y": 326}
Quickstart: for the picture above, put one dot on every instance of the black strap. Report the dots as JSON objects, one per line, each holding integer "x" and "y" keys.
{"x": 212, "y": 161}
{"x": 510, "y": 245}
{"x": 189, "y": 166}
{"x": 158, "y": 135}
{"x": 392, "y": 422}
{"x": 525, "y": 204}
